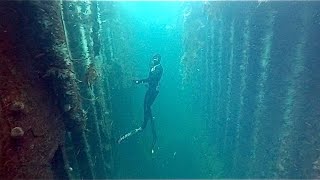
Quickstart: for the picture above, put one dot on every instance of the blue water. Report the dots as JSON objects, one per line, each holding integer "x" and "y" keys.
{"x": 156, "y": 31}
{"x": 239, "y": 93}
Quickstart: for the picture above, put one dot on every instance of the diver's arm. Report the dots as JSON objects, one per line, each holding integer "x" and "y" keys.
{"x": 142, "y": 81}
{"x": 154, "y": 75}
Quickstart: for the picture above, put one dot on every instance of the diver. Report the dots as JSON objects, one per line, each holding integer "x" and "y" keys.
{"x": 155, "y": 74}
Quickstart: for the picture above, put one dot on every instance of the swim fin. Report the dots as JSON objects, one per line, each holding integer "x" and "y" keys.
{"x": 131, "y": 133}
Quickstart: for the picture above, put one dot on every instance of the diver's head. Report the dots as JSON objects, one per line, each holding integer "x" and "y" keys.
{"x": 156, "y": 59}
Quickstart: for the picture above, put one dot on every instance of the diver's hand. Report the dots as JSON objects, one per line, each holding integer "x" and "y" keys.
{"x": 137, "y": 81}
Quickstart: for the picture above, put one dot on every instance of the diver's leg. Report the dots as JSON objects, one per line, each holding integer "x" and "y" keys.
{"x": 153, "y": 96}
{"x": 149, "y": 99}
{"x": 154, "y": 134}
{"x": 146, "y": 109}
{"x": 146, "y": 118}
{"x": 153, "y": 128}
{"x": 133, "y": 132}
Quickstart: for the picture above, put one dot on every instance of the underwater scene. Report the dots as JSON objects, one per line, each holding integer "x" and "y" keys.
{"x": 159, "y": 89}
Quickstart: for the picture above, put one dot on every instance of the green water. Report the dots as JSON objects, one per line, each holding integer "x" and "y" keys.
{"x": 237, "y": 92}
{"x": 178, "y": 128}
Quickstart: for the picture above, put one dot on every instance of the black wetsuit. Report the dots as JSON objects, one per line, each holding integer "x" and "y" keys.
{"x": 152, "y": 92}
